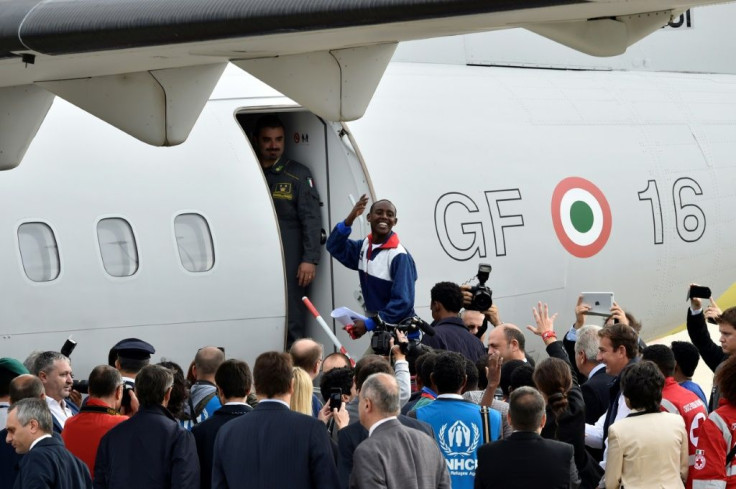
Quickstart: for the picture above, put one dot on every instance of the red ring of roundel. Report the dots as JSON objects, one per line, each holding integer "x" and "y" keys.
{"x": 576, "y": 249}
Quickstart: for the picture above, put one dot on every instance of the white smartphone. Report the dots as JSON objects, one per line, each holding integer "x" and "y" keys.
{"x": 600, "y": 303}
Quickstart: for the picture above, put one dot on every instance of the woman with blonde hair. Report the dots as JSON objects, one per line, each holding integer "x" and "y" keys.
{"x": 301, "y": 399}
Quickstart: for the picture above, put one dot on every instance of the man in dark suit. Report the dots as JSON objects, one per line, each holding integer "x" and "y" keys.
{"x": 505, "y": 464}
{"x": 233, "y": 380}
{"x": 273, "y": 446}
{"x": 149, "y": 450}
{"x": 393, "y": 456}
{"x": 596, "y": 392}
{"x": 350, "y": 437}
{"x": 24, "y": 386}
{"x": 46, "y": 462}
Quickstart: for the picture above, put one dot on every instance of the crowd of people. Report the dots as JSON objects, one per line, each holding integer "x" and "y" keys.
{"x": 601, "y": 410}
{"x": 463, "y": 406}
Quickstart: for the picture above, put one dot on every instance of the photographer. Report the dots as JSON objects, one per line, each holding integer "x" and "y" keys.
{"x": 450, "y": 331}
{"x": 386, "y": 269}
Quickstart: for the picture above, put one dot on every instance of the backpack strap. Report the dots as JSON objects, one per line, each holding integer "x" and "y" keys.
{"x": 196, "y": 411}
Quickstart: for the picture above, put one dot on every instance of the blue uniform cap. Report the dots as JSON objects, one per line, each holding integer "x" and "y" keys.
{"x": 134, "y": 348}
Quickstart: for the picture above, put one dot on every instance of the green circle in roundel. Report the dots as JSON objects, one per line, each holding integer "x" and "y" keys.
{"x": 581, "y": 216}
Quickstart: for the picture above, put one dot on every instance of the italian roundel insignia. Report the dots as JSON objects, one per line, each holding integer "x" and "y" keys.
{"x": 581, "y": 217}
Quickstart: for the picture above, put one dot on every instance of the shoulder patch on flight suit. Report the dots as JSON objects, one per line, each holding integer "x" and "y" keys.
{"x": 283, "y": 191}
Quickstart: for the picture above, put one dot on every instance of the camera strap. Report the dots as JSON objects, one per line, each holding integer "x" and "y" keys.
{"x": 99, "y": 409}
{"x": 486, "y": 421}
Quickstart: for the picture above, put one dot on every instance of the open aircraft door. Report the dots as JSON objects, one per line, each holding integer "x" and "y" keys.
{"x": 340, "y": 177}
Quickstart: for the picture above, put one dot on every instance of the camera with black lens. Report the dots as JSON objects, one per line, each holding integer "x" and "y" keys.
{"x": 482, "y": 296}
{"x": 382, "y": 334}
{"x": 126, "y": 401}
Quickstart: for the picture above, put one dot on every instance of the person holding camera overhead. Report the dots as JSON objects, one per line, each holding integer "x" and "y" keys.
{"x": 386, "y": 269}
{"x": 450, "y": 331}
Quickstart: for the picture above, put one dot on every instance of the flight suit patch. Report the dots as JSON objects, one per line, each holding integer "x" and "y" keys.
{"x": 283, "y": 191}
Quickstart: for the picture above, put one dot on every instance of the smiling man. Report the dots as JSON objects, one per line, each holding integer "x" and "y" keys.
{"x": 296, "y": 202}
{"x": 387, "y": 271}
{"x": 617, "y": 349}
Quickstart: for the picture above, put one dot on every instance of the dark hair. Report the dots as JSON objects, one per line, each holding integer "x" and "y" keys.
{"x": 179, "y": 389}
{"x": 337, "y": 378}
{"x": 515, "y": 334}
{"x": 272, "y": 373}
{"x": 686, "y": 357}
{"x": 641, "y": 384}
{"x": 506, "y": 370}
{"x": 481, "y": 365}
{"x": 370, "y": 209}
{"x": 662, "y": 357}
{"x": 267, "y": 121}
{"x": 728, "y": 316}
{"x": 132, "y": 364}
{"x": 369, "y": 365}
{"x": 621, "y": 335}
{"x": 526, "y": 409}
{"x": 104, "y": 380}
{"x": 426, "y": 368}
{"x": 471, "y": 371}
{"x": 306, "y": 357}
{"x": 553, "y": 378}
{"x": 726, "y": 380}
{"x": 633, "y": 322}
{"x": 521, "y": 377}
{"x": 449, "y": 295}
{"x": 151, "y": 384}
{"x": 25, "y": 387}
{"x": 449, "y": 372}
{"x": 208, "y": 359}
{"x": 234, "y": 379}
{"x": 5, "y": 377}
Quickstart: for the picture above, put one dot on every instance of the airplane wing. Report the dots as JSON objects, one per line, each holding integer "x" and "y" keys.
{"x": 149, "y": 66}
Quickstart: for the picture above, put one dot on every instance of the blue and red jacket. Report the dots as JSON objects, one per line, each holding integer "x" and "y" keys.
{"x": 387, "y": 273}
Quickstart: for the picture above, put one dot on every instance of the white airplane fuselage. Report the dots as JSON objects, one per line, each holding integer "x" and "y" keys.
{"x": 482, "y": 164}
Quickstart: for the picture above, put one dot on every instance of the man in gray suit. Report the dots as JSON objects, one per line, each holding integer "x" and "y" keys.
{"x": 393, "y": 456}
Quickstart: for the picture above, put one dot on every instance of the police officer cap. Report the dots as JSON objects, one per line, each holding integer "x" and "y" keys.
{"x": 12, "y": 366}
{"x": 134, "y": 348}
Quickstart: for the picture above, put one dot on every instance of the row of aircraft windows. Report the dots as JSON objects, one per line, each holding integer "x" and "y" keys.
{"x": 39, "y": 251}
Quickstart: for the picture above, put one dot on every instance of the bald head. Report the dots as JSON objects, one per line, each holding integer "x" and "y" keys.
{"x": 26, "y": 386}
{"x": 206, "y": 362}
{"x": 507, "y": 340}
{"x": 307, "y": 354}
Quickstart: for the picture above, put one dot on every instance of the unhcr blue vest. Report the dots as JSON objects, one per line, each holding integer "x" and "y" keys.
{"x": 458, "y": 429}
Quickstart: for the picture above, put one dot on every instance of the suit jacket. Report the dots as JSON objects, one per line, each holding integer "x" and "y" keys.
{"x": 273, "y": 447}
{"x": 596, "y": 394}
{"x": 204, "y": 437}
{"x": 51, "y": 465}
{"x": 397, "y": 457}
{"x": 525, "y": 460}
{"x": 647, "y": 451}
{"x": 150, "y": 450}
{"x": 350, "y": 437}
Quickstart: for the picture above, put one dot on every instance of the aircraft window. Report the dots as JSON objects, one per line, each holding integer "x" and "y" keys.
{"x": 39, "y": 251}
{"x": 194, "y": 240}
{"x": 117, "y": 247}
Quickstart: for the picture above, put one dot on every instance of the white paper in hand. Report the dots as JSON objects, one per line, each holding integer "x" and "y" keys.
{"x": 346, "y": 316}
